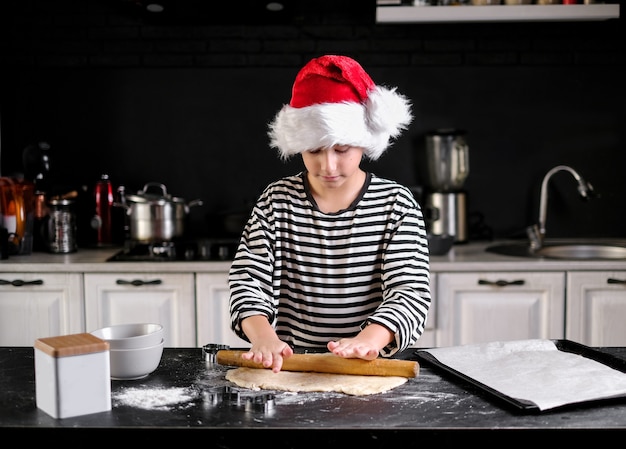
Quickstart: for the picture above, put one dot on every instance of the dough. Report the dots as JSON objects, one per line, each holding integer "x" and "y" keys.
{"x": 266, "y": 379}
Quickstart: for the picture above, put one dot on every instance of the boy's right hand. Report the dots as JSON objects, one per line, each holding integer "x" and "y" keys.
{"x": 267, "y": 348}
{"x": 270, "y": 354}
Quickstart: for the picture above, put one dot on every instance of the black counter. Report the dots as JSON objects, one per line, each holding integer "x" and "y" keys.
{"x": 182, "y": 396}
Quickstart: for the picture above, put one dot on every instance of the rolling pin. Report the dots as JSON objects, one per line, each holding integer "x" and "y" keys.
{"x": 329, "y": 363}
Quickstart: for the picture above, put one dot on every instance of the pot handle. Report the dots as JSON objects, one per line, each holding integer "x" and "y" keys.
{"x": 155, "y": 184}
{"x": 193, "y": 203}
{"x": 122, "y": 205}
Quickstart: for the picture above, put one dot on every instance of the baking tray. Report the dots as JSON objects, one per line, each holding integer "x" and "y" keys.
{"x": 527, "y": 406}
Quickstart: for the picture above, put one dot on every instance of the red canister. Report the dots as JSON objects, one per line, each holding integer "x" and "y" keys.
{"x": 102, "y": 221}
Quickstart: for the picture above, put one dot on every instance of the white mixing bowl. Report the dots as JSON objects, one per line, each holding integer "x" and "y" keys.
{"x": 131, "y": 336}
{"x": 131, "y": 364}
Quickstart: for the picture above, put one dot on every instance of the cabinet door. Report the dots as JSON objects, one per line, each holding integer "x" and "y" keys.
{"x": 213, "y": 316}
{"x": 36, "y": 305}
{"x": 596, "y": 308}
{"x": 498, "y": 306}
{"x": 163, "y": 298}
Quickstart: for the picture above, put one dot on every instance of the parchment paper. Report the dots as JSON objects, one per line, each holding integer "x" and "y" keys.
{"x": 535, "y": 371}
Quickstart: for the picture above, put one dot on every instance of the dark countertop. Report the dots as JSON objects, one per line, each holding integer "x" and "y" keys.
{"x": 182, "y": 395}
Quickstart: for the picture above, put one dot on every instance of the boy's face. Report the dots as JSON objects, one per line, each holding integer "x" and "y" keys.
{"x": 334, "y": 165}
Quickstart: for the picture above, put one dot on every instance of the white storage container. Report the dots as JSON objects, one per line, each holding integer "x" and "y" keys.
{"x": 72, "y": 375}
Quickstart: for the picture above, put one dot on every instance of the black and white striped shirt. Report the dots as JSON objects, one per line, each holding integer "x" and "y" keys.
{"x": 323, "y": 276}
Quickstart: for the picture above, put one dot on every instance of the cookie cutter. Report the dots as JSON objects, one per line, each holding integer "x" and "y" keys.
{"x": 209, "y": 352}
{"x": 260, "y": 403}
{"x": 223, "y": 395}
{"x": 229, "y": 396}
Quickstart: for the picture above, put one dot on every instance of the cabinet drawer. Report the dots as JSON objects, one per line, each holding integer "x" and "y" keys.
{"x": 494, "y": 306}
{"x": 36, "y": 305}
{"x": 164, "y": 298}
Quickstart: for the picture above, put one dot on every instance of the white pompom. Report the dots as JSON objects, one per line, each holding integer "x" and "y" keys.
{"x": 388, "y": 112}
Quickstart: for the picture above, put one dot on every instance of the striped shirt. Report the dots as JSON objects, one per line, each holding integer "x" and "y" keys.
{"x": 324, "y": 276}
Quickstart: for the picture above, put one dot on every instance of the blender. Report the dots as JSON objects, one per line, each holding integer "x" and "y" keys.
{"x": 443, "y": 163}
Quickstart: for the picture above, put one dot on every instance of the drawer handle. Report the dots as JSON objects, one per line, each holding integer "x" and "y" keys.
{"x": 501, "y": 282}
{"x": 20, "y": 283}
{"x": 138, "y": 282}
{"x": 615, "y": 281}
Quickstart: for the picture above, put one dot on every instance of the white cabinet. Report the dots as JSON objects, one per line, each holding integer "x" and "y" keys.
{"x": 475, "y": 298}
{"x": 212, "y": 313}
{"x": 164, "y": 298}
{"x": 36, "y": 305}
{"x": 596, "y": 308}
{"x": 498, "y": 306}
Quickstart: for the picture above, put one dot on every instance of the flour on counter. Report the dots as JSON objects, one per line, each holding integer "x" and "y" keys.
{"x": 289, "y": 397}
{"x": 155, "y": 398}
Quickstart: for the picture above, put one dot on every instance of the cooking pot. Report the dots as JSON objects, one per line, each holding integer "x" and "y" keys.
{"x": 154, "y": 215}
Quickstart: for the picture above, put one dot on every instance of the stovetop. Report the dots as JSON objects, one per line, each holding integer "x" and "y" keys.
{"x": 177, "y": 250}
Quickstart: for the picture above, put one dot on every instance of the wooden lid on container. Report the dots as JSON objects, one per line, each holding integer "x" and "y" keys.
{"x": 68, "y": 345}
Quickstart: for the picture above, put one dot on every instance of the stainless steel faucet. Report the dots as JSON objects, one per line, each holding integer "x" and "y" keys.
{"x": 536, "y": 233}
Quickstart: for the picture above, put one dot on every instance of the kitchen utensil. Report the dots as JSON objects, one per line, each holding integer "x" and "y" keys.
{"x": 443, "y": 162}
{"x": 445, "y": 213}
{"x": 17, "y": 203}
{"x": 329, "y": 363}
{"x": 60, "y": 227}
{"x": 542, "y": 374}
{"x": 226, "y": 395}
{"x": 136, "y": 363}
{"x": 102, "y": 221}
{"x": 131, "y": 336}
{"x": 156, "y": 216}
{"x": 210, "y": 352}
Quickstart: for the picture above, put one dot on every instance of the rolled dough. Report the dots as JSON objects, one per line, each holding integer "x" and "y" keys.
{"x": 265, "y": 379}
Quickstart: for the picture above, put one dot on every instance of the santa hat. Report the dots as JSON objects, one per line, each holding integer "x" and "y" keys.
{"x": 334, "y": 101}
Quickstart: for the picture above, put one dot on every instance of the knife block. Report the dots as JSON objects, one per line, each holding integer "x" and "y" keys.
{"x": 72, "y": 375}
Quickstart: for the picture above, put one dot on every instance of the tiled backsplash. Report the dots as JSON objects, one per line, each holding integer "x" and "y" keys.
{"x": 186, "y": 103}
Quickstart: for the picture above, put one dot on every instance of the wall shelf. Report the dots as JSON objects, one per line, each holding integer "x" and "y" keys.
{"x": 495, "y": 13}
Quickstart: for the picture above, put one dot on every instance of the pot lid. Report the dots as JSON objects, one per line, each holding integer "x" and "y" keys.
{"x": 149, "y": 195}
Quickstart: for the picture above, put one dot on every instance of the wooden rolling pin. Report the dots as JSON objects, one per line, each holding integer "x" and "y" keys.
{"x": 329, "y": 363}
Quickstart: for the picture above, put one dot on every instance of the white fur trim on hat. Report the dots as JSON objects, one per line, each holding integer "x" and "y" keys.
{"x": 384, "y": 116}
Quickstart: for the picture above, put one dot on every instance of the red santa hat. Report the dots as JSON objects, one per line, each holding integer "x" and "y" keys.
{"x": 334, "y": 101}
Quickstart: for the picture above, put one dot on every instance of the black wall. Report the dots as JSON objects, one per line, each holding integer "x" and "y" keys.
{"x": 185, "y": 101}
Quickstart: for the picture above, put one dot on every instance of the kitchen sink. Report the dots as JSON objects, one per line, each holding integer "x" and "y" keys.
{"x": 568, "y": 250}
